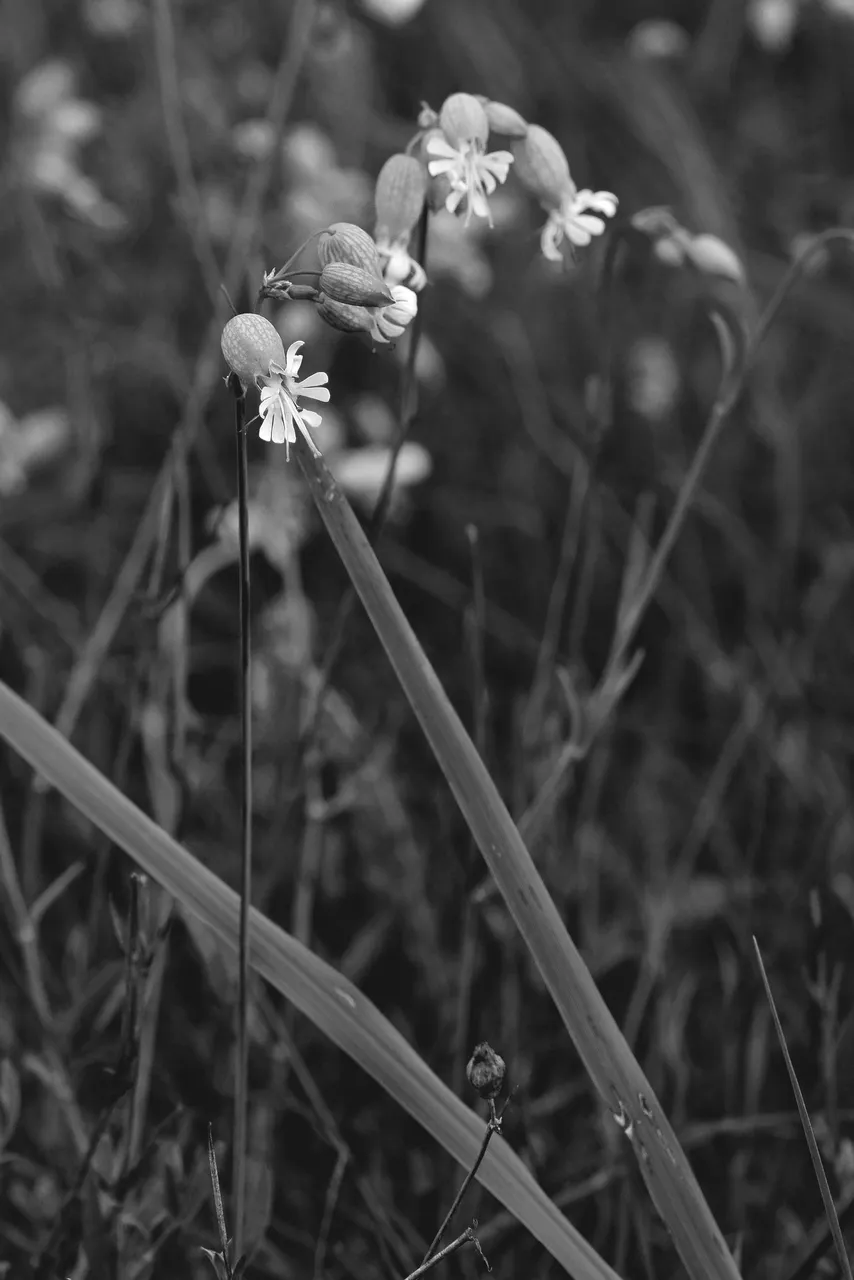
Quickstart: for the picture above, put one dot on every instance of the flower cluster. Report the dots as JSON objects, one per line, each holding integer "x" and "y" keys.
{"x": 369, "y": 284}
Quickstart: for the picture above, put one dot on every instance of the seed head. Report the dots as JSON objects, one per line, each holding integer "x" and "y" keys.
{"x": 250, "y": 345}
{"x": 486, "y": 1070}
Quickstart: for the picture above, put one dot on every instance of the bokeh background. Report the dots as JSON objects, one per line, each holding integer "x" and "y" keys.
{"x": 153, "y": 151}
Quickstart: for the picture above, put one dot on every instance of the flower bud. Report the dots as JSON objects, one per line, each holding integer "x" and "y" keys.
{"x": 714, "y": 258}
{"x": 399, "y": 197}
{"x": 463, "y": 119}
{"x": 342, "y": 282}
{"x": 427, "y": 117}
{"x": 505, "y": 120}
{"x": 345, "y": 242}
{"x": 486, "y": 1070}
{"x": 543, "y": 168}
{"x": 250, "y": 345}
{"x": 345, "y": 316}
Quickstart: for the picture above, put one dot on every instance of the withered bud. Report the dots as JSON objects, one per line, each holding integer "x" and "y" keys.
{"x": 503, "y": 119}
{"x": 542, "y": 167}
{"x": 399, "y": 197}
{"x": 343, "y": 282}
{"x": 345, "y": 242}
{"x": 486, "y": 1070}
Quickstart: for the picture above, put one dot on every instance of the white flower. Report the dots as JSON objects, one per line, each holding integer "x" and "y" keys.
{"x": 576, "y": 219}
{"x": 280, "y": 413}
{"x": 399, "y": 267}
{"x": 389, "y": 322}
{"x": 472, "y": 174}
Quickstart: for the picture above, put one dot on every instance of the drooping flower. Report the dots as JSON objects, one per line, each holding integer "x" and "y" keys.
{"x": 390, "y": 321}
{"x": 254, "y": 351}
{"x": 578, "y": 218}
{"x": 280, "y": 412}
{"x": 461, "y": 157}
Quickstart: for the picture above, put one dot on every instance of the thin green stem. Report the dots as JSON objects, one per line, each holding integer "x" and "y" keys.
{"x": 241, "y": 1089}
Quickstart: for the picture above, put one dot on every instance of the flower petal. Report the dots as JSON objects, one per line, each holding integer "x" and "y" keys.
{"x": 437, "y": 167}
{"x": 439, "y": 146}
{"x": 310, "y": 418}
{"x": 313, "y": 380}
{"x": 316, "y": 393}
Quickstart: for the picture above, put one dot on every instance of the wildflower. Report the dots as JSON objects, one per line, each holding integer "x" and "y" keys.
{"x": 390, "y": 322}
{"x": 578, "y": 219}
{"x": 280, "y": 412}
{"x": 383, "y": 324}
{"x": 460, "y": 149}
{"x": 254, "y": 352}
{"x": 542, "y": 167}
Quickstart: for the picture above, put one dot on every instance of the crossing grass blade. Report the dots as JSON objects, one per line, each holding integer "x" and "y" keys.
{"x": 330, "y": 1001}
{"x": 601, "y": 1045}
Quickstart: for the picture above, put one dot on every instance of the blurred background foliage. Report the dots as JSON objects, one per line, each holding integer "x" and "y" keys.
{"x": 716, "y": 803}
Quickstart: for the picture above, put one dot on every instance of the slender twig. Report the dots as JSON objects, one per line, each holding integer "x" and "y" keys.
{"x": 242, "y": 1063}
{"x": 493, "y": 1126}
{"x": 467, "y": 1237}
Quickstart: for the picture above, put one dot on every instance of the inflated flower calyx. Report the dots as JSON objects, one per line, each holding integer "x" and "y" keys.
{"x": 345, "y": 242}
{"x": 542, "y": 166}
{"x": 344, "y": 282}
{"x": 503, "y": 119}
{"x": 400, "y": 194}
{"x": 250, "y": 345}
{"x": 463, "y": 120}
{"x": 656, "y": 221}
{"x": 486, "y": 1071}
{"x": 344, "y": 316}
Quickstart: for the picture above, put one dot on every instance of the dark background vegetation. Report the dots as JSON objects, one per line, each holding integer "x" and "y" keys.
{"x": 716, "y": 803}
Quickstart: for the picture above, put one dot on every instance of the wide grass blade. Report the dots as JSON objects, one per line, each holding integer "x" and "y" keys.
{"x": 332, "y": 1003}
{"x": 600, "y": 1043}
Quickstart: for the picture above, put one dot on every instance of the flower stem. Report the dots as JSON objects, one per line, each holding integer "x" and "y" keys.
{"x": 241, "y": 1072}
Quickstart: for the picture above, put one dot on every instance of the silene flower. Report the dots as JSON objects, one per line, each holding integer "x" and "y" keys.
{"x": 399, "y": 267}
{"x": 578, "y": 218}
{"x": 254, "y": 351}
{"x": 280, "y": 412}
{"x": 461, "y": 156}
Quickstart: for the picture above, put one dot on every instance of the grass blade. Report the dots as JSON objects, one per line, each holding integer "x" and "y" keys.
{"x": 601, "y": 1045}
{"x": 333, "y": 1004}
{"x": 815, "y": 1155}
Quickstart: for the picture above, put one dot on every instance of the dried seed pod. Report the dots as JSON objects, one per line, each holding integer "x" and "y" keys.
{"x": 503, "y": 119}
{"x": 463, "y": 119}
{"x": 343, "y": 282}
{"x": 486, "y": 1070}
{"x": 250, "y": 345}
{"x": 399, "y": 198}
{"x": 543, "y": 167}
{"x": 345, "y": 242}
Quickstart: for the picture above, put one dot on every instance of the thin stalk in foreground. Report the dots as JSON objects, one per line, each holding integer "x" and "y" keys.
{"x": 241, "y": 1071}
{"x": 493, "y": 1126}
